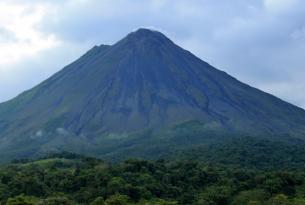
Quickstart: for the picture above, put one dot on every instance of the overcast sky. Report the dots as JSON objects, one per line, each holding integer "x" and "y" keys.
{"x": 260, "y": 42}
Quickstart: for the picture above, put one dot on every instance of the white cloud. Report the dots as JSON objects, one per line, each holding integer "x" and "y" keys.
{"x": 18, "y": 22}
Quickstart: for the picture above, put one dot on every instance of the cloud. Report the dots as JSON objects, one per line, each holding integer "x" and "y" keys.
{"x": 19, "y": 37}
{"x": 261, "y": 42}
{"x": 6, "y": 36}
{"x": 279, "y": 5}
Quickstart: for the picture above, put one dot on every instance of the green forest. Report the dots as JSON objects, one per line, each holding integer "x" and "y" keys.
{"x": 68, "y": 178}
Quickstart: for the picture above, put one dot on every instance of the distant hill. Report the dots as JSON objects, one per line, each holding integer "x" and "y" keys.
{"x": 142, "y": 92}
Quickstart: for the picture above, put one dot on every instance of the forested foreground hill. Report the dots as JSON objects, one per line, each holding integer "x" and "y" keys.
{"x": 73, "y": 179}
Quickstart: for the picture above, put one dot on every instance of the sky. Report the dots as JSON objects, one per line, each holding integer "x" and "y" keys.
{"x": 260, "y": 42}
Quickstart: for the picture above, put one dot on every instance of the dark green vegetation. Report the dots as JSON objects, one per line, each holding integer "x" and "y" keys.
{"x": 72, "y": 179}
{"x": 143, "y": 96}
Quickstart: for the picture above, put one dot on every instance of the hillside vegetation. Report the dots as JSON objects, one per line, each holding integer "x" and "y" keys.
{"x": 73, "y": 179}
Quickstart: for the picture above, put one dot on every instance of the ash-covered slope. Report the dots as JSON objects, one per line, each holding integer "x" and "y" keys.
{"x": 143, "y": 81}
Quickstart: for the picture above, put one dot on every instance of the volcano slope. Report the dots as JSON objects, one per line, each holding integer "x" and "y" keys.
{"x": 144, "y": 96}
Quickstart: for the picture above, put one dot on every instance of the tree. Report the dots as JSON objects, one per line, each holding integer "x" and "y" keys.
{"x": 254, "y": 203}
{"x": 117, "y": 185}
{"x": 279, "y": 199}
{"x": 215, "y": 195}
{"x": 98, "y": 201}
{"x": 253, "y": 196}
{"x": 22, "y": 200}
{"x": 55, "y": 201}
{"x": 117, "y": 199}
{"x": 298, "y": 201}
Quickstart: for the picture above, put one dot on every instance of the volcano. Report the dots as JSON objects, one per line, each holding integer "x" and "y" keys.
{"x": 142, "y": 82}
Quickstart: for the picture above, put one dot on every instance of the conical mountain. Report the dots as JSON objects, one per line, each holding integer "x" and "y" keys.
{"x": 143, "y": 81}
